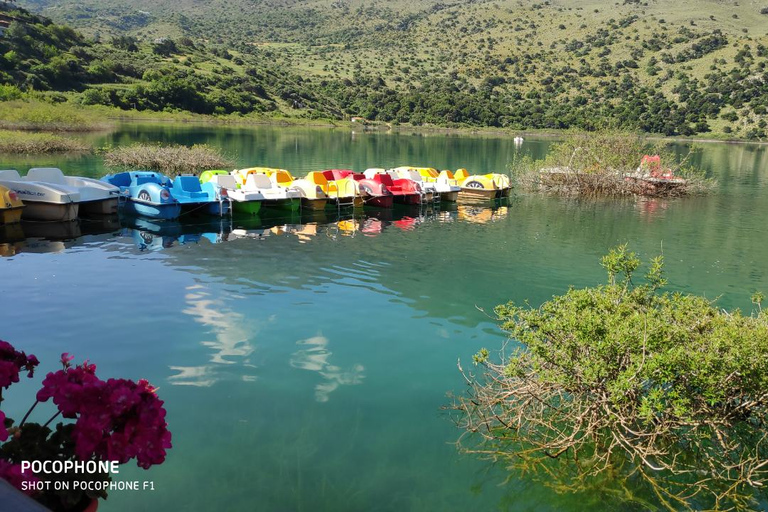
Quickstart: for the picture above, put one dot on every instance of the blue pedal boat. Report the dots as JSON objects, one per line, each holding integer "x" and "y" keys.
{"x": 195, "y": 197}
{"x": 145, "y": 193}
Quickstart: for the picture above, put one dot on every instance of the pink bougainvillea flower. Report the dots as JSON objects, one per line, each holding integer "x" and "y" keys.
{"x": 13, "y": 474}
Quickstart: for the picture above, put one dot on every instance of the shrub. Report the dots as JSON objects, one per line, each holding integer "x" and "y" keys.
{"x": 168, "y": 159}
{"x": 627, "y": 384}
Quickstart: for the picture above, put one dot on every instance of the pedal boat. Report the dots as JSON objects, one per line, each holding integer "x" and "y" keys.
{"x": 243, "y": 202}
{"x": 96, "y": 197}
{"x": 313, "y": 196}
{"x": 372, "y": 192}
{"x": 275, "y": 196}
{"x": 342, "y": 190}
{"x": 448, "y": 188}
{"x": 404, "y": 191}
{"x": 441, "y": 191}
{"x": 43, "y": 201}
{"x": 145, "y": 193}
{"x": 10, "y": 206}
{"x": 195, "y": 197}
{"x": 482, "y": 186}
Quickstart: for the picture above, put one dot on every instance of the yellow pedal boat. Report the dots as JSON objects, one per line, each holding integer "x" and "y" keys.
{"x": 339, "y": 185}
{"x": 10, "y": 206}
{"x": 481, "y": 186}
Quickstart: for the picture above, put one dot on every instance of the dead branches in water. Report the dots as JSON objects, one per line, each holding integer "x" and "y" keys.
{"x": 168, "y": 159}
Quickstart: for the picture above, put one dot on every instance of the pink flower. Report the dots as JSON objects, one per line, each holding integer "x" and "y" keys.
{"x": 3, "y": 431}
{"x": 12, "y": 473}
{"x": 69, "y": 388}
{"x": 65, "y": 359}
{"x": 12, "y": 362}
{"x": 116, "y": 420}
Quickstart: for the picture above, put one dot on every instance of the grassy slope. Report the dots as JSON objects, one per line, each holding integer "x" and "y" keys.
{"x": 415, "y": 41}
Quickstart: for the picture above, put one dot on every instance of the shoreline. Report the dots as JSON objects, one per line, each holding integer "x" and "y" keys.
{"x": 100, "y": 119}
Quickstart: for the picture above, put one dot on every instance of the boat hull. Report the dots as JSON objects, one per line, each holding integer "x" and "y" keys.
{"x": 247, "y": 207}
{"x": 62, "y": 212}
{"x": 478, "y": 193}
{"x": 346, "y": 202}
{"x": 313, "y": 204}
{"x": 11, "y": 215}
{"x": 206, "y": 208}
{"x": 99, "y": 207}
{"x": 287, "y": 204}
{"x": 407, "y": 198}
{"x": 380, "y": 201}
{"x": 449, "y": 197}
{"x": 165, "y": 211}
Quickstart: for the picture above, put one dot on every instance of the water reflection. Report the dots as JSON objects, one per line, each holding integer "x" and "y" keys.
{"x": 315, "y": 357}
{"x": 231, "y": 346}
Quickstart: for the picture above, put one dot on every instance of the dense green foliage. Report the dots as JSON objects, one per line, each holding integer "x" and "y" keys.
{"x": 660, "y": 390}
{"x": 508, "y": 65}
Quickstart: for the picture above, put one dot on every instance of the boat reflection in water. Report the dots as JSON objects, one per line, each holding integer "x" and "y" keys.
{"x": 306, "y": 226}
{"x": 154, "y": 235}
{"x": 48, "y": 237}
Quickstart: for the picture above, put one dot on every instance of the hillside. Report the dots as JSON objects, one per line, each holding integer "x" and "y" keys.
{"x": 677, "y": 68}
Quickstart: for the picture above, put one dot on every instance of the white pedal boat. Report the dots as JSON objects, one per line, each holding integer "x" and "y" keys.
{"x": 43, "y": 201}
{"x": 96, "y": 197}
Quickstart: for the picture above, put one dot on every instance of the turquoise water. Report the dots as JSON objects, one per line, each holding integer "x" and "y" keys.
{"x": 304, "y": 362}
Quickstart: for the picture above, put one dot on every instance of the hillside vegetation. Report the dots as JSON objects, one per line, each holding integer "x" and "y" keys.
{"x": 674, "y": 68}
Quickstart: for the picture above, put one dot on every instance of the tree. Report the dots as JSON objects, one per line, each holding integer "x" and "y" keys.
{"x": 621, "y": 383}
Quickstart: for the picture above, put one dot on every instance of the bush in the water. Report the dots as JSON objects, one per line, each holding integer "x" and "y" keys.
{"x": 171, "y": 159}
{"x": 623, "y": 386}
{"x": 597, "y": 163}
{"x": 37, "y": 143}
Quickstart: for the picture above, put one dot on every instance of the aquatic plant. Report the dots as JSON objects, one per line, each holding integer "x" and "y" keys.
{"x": 623, "y": 387}
{"x": 38, "y": 143}
{"x": 170, "y": 159}
{"x": 113, "y": 421}
{"x": 605, "y": 163}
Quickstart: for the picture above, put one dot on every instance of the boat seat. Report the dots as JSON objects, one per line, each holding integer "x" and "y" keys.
{"x": 47, "y": 175}
{"x": 225, "y": 181}
{"x": 373, "y": 171}
{"x": 258, "y": 180}
{"x": 10, "y": 175}
{"x": 146, "y": 178}
{"x": 461, "y": 174}
{"x": 385, "y": 179}
{"x": 415, "y": 176}
{"x": 282, "y": 177}
{"x": 318, "y": 178}
{"x": 188, "y": 183}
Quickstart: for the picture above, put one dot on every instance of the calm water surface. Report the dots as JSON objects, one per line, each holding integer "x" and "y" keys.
{"x": 304, "y": 361}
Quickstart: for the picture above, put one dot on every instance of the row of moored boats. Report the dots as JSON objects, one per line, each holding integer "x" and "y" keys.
{"x": 46, "y": 194}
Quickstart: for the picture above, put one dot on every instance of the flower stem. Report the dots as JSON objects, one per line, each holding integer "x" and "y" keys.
{"x": 24, "y": 419}
{"x": 52, "y": 418}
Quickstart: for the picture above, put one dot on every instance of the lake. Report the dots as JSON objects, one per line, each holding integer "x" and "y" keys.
{"x": 305, "y": 361}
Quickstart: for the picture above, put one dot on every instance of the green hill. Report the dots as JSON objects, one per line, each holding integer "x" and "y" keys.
{"x": 677, "y": 68}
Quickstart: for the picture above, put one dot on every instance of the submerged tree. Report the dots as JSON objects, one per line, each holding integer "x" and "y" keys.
{"x": 625, "y": 385}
